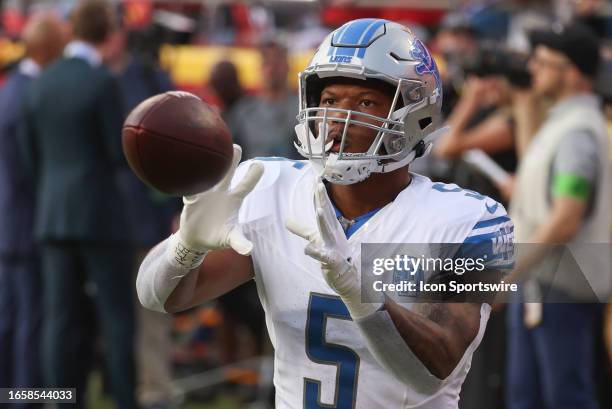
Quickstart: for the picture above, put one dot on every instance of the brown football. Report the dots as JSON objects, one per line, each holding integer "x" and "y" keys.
{"x": 177, "y": 144}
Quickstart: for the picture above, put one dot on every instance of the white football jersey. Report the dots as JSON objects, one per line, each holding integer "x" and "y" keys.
{"x": 321, "y": 359}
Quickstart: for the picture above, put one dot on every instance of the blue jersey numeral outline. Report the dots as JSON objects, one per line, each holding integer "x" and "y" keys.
{"x": 320, "y": 308}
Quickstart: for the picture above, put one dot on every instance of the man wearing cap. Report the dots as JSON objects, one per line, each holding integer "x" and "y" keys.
{"x": 561, "y": 196}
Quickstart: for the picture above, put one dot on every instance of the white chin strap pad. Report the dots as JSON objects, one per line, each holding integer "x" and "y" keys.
{"x": 347, "y": 172}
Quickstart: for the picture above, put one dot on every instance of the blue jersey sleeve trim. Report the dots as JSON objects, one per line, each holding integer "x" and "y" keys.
{"x": 487, "y": 236}
{"x": 491, "y": 222}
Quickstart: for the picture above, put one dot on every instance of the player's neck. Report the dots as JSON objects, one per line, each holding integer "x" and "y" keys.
{"x": 373, "y": 193}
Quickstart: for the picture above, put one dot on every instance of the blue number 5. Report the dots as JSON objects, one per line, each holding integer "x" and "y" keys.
{"x": 320, "y": 308}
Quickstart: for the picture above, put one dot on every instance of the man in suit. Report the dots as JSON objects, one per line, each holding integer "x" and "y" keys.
{"x": 20, "y": 287}
{"x": 133, "y": 58}
{"x": 72, "y": 139}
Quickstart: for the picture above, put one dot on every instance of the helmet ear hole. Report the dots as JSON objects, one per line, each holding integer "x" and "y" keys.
{"x": 425, "y": 122}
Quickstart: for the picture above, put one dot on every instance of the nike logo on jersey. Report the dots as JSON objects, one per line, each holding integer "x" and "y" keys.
{"x": 492, "y": 209}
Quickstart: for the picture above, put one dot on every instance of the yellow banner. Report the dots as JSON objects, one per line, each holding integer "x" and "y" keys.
{"x": 190, "y": 66}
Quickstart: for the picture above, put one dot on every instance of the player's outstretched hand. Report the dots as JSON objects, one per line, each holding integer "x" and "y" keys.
{"x": 209, "y": 220}
{"x": 329, "y": 246}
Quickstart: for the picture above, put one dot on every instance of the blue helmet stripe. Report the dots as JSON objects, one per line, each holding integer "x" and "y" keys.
{"x": 373, "y": 28}
{"x": 355, "y": 31}
{"x": 353, "y": 34}
{"x": 335, "y": 37}
{"x": 347, "y": 51}
{"x": 351, "y": 37}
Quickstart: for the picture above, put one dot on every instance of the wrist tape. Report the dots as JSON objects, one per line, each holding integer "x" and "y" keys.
{"x": 182, "y": 256}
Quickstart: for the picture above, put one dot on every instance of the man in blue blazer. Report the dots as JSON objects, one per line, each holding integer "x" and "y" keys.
{"x": 72, "y": 139}
{"x": 20, "y": 287}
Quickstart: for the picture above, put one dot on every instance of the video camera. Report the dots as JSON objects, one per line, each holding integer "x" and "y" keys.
{"x": 494, "y": 61}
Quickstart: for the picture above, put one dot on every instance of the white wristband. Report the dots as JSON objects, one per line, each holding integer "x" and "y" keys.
{"x": 158, "y": 277}
{"x": 182, "y": 256}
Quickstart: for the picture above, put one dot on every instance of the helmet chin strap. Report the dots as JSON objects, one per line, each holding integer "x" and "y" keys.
{"x": 348, "y": 172}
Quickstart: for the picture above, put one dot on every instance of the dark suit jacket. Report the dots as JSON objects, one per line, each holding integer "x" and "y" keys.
{"x": 150, "y": 213}
{"x": 71, "y": 136}
{"x": 16, "y": 189}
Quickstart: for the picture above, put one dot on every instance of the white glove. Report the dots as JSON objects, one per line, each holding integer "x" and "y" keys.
{"x": 329, "y": 246}
{"x": 209, "y": 220}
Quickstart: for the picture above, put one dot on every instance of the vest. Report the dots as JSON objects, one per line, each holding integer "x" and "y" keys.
{"x": 531, "y": 201}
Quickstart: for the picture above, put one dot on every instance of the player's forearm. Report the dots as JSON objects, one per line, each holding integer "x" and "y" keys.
{"x": 221, "y": 271}
{"x": 422, "y": 347}
{"x": 183, "y": 296}
{"x": 393, "y": 353}
{"x": 430, "y": 342}
{"x": 158, "y": 280}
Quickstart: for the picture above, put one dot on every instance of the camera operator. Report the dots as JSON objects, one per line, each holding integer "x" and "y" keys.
{"x": 456, "y": 43}
{"x": 561, "y": 196}
{"x": 483, "y": 117}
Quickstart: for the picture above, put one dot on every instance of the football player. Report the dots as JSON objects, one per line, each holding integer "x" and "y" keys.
{"x": 369, "y": 101}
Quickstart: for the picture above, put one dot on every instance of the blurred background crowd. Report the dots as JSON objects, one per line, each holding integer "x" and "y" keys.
{"x": 75, "y": 222}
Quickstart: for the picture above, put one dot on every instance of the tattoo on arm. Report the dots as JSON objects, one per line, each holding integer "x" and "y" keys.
{"x": 437, "y": 313}
{"x": 457, "y": 319}
{"x": 438, "y": 333}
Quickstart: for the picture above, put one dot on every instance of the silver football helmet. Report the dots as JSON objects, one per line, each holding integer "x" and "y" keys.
{"x": 370, "y": 49}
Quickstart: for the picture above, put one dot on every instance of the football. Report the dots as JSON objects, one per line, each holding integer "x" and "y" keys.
{"x": 177, "y": 144}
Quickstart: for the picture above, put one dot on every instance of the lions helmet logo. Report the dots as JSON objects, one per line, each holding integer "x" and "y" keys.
{"x": 427, "y": 64}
